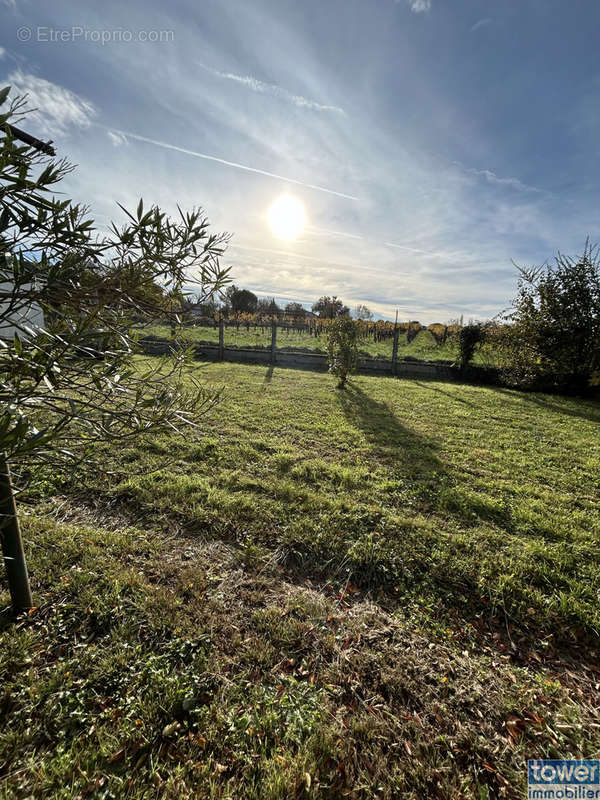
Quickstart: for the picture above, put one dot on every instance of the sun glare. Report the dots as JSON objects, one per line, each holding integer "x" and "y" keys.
{"x": 287, "y": 217}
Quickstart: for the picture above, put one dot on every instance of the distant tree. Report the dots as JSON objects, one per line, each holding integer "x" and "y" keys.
{"x": 554, "y": 330}
{"x": 240, "y": 301}
{"x": 330, "y": 308}
{"x": 268, "y": 308}
{"x": 363, "y": 312}
{"x": 295, "y": 310}
{"x": 226, "y": 297}
{"x": 342, "y": 348}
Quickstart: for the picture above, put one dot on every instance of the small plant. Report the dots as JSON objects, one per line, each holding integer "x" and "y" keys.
{"x": 342, "y": 349}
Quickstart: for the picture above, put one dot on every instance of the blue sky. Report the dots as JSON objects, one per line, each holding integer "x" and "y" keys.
{"x": 430, "y": 141}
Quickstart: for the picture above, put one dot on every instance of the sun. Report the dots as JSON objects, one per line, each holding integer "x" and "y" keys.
{"x": 287, "y": 217}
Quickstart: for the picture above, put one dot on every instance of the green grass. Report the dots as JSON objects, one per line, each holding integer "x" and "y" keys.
{"x": 390, "y": 591}
{"x": 423, "y": 346}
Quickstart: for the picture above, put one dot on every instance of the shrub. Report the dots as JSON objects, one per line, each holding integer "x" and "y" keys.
{"x": 553, "y": 340}
{"x": 468, "y": 339}
{"x": 342, "y": 349}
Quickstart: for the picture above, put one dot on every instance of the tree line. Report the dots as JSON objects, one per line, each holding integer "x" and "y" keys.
{"x": 235, "y": 301}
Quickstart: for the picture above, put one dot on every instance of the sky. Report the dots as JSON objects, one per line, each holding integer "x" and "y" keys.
{"x": 432, "y": 143}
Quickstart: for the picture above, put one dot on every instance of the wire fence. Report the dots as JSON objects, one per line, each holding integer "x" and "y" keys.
{"x": 375, "y": 342}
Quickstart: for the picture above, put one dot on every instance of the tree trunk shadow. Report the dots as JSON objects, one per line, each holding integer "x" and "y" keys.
{"x": 408, "y": 453}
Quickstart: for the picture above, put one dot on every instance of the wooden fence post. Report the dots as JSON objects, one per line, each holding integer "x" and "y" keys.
{"x": 395, "y": 351}
{"x": 273, "y": 341}
{"x": 12, "y": 544}
{"x": 221, "y": 340}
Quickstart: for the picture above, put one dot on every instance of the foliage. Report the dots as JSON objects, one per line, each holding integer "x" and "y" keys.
{"x": 266, "y": 307}
{"x": 295, "y": 311}
{"x": 440, "y": 332}
{"x": 554, "y": 333}
{"x": 240, "y": 301}
{"x": 330, "y": 308}
{"x": 363, "y": 312}
{"x": 342, "y": 349}
{"x": 413, "y": 329}
{"x": 468, "y": 338}
{"x": 67, "y": 378}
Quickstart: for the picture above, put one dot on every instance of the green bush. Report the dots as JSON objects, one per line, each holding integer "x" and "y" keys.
{"x": 468, "y": 339}
{"x": 553, "y": 340}
{"x": 342, "y": 349}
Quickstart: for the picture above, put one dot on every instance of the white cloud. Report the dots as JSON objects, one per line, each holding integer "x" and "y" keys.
{"x": 481, "y": 23}
{"x": 491, "y": 177}
{"x": 2, "y": 52}
{"x": 419, "y": 6}
{"x": 117, "y": 139}
{"x": 274, "y": 90}
{"x": 54, "y": 108}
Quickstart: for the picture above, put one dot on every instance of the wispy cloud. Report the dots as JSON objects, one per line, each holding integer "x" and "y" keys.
{"x": 482, "y": 23}
{"x": 419, "y": 6}
{"x": 55, "y": 109}
{"x": 491, "y": 177}
{"x": 227, "y": 163}
{"x": 274, "y": 90}
{"x": 2, "y": 52}
{"x": 116, "y": 139}
{"x": 292, "y": 256}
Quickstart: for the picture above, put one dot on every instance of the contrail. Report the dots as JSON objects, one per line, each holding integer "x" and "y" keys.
{"x": 420, "y": 252}
{"x": 273, "y": 89}
{"x": 314, "y": 229}
{"x": 206, "y": 157}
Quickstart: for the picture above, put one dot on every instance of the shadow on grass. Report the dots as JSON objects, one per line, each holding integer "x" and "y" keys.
{"x": 451, "y": 395}
{"x": 410, "y": 555}
{"x": 409, "y": 453}
{"x": 586, "y": 409}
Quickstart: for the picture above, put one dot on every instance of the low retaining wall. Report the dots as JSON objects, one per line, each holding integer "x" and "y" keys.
{"x": 302, "y": 360}
{"x": 474, "y": 373}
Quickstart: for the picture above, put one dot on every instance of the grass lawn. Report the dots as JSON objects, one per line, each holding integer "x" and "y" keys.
{"x": 391, "y": 591}
{"x": 423, "y": 346}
